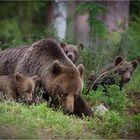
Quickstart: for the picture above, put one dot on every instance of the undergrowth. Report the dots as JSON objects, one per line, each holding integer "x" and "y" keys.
{"x": 40, "y": 121}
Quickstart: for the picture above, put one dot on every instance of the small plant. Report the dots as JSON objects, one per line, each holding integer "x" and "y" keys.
{"x": 115, "y": 125}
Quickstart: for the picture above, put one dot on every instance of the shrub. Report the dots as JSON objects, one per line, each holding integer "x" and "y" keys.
{"x": 113, "y": 98}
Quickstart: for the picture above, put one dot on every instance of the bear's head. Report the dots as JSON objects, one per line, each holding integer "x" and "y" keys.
{"x": 125, "y": 69}
{"x": 65, "y": 84}
{"x": 25, "y": 86}
{"x": 72, "y": 51}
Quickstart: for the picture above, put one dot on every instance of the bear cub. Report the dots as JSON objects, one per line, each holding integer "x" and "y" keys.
{"x": 119, "y": 73}
{"x": 72, "y": 51}
{"x": 18, "y": 86}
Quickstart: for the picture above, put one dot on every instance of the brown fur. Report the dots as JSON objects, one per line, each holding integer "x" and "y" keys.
{"x": 120, "y": 68}
{"x": 54, "y": 70}
{"x": 17, "y": 85}
{"x": 9, "y": 59}
{"x": 82, "y": 108}
{"x": 59, "y": 77}
{"x": 72, "y": 51}
{"x": 124, "y": 68}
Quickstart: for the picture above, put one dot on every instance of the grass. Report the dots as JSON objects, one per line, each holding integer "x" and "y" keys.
{"x": 39, "y": 121}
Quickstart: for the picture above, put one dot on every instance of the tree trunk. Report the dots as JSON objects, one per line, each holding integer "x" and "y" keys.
{"x": 60, "y": 17}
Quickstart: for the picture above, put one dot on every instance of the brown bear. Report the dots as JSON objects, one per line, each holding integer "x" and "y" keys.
{"x": 59, "y": 76}
{"x": 72, "y": 51}
{"x": 119, "y": 73}
{"x": 18, "y": 86}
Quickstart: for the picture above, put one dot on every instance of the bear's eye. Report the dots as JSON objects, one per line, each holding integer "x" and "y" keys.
{"x": 66, "y": 52}
{"x": 123, "y": 71}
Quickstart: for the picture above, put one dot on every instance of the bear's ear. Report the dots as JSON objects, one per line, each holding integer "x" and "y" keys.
{"x": 56, "y": 67}
{"x": 80, "y": 46}
{"x": 19, "y": 77}
{"x": 118, "y": 60}
{"x": 134, "y": 63}
{"x": 35, "y": 78}
{"x": 63, "y": 45}
{"x": 81, "y": 69}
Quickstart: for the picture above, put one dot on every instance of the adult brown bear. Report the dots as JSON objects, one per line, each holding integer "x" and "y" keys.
{"x": 59, "y": 76}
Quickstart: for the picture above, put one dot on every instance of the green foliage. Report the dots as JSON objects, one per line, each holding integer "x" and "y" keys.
{"x": 114, "y": 125}
{"x": 116, "y": 99}
{"x": 93, "y": 60}
{"x": 113, "y": 98}
{"x": 24, "y": 22}
{"x": 97, "y": 28}
{"x": 136, "y": 123}
{"x": 88, "y": 60}
{"x": 134, "y": 9}
{"x": 125, "y": 44}
{"x": 24, "y": 12}
{"x": 133, "y": 41}
{"x": 50, "y": 31}
{"x": 99, "y": 55}
{"x": 10, "y": 34}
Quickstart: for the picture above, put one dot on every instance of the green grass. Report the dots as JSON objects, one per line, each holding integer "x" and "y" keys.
{"x": 39, "y": 121}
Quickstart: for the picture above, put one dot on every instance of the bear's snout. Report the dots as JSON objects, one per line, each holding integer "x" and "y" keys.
{"x": 69, "y": 104}
{"x": 127, "y": 79}
{"x": 71, "y": 56}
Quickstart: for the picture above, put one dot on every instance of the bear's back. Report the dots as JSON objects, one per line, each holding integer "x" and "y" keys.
{"x": 9, "y": 59}
{"x": 40, "y": 56}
